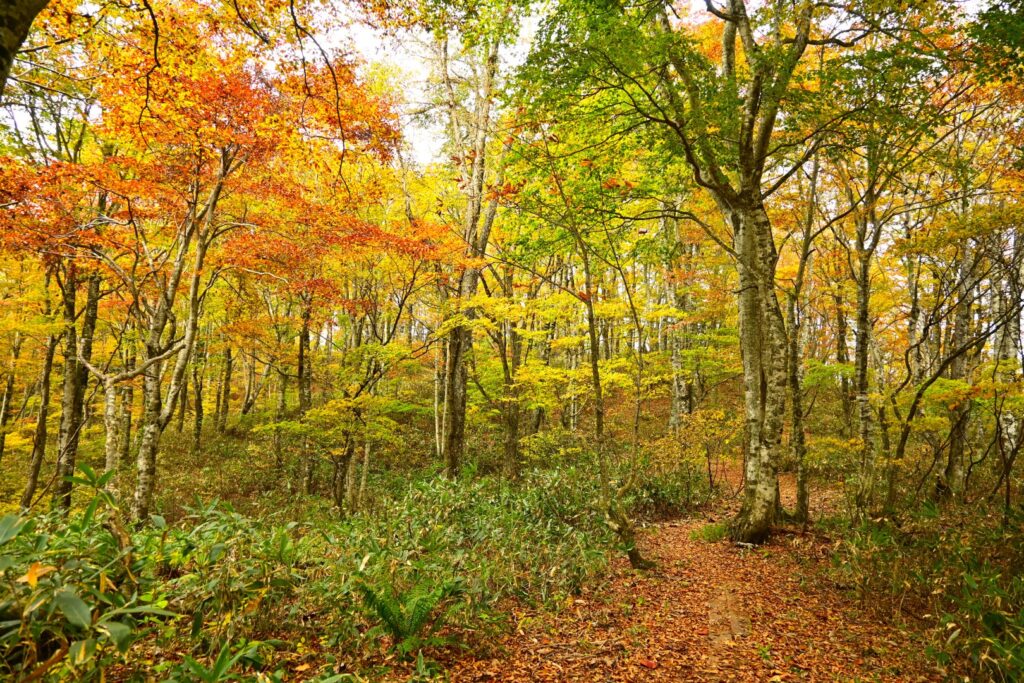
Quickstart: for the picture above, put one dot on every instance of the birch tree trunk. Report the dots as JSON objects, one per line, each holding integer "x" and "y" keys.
{"x": 764, "y": 354}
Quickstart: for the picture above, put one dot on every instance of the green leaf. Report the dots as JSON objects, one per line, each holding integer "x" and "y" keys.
{"x": 216, "y": 551}
{"x": 10, "y": 525}
{"x": 73, "y": 608}
{"x": 120, "y": 633}
{"x": 81, "y": 651}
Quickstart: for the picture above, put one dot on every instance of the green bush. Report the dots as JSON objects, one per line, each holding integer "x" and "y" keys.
{"x": 75, "y": 597}
{"x": 229, "y": 574}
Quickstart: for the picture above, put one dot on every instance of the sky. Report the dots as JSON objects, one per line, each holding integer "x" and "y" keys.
{"x": 408, "y": 57}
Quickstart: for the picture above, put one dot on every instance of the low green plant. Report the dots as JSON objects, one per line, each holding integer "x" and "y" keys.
{"x": 73, "y": 598}
{"x": 963, "y": 575}
{"x": 223, "y": 668}
{"x": 411, "y": 618}
{"x": 710, "y": 533}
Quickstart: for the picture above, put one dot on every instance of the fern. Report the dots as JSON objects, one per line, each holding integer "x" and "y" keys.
{"x": 386, "y": 607}
{"x": 409, "y": 617}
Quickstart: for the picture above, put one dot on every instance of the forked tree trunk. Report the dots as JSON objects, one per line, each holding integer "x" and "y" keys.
{"x": 157, "y": 413}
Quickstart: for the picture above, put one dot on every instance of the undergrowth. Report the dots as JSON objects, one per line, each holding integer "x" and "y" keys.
{"x": 219, "y": 595}
{"x": 961, "y": 574}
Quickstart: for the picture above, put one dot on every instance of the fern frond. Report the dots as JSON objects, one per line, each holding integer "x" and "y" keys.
{"x": 386, "y": 608}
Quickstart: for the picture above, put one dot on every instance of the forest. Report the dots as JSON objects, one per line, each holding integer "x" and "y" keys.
{"x": 499, "y": 340}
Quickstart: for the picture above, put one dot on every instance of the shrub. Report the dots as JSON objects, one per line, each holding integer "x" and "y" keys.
{"x": 75, "y": 598}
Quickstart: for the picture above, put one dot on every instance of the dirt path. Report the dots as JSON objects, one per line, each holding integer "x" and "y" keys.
{"x": 710, "y": 612}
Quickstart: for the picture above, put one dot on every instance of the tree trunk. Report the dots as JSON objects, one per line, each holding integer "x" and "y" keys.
{"x": 305, "y": 369}
{"x": 16, "y": 17}
{"x": 361, "y": 495}
{"x": 112, "y": 427}
{"x": 952, "y": 479}
{"x": 512, "y": 418}
{"x": 866, "y": 474}
{"x": 39, "y": 440}
{"x": 279, "y": 415}
{"x": 5, "y": 403}
{"x": 763, "y": 351}
{"x": 796, "y": 398}
{"x": 149, "y": 441}
{"x": 843, "y": 357}
{"x": 75, "y": 382}
{"x": 182, "y": 405}
{"x": 476, "y": 229}
{"x": 615, "y": 516}
{"x": 198, "y": 380}
{"x": 156, "y": 414}
{"x": 127, "y": 405}
{"x": 350, "y": 483}
{"x": 225, "y": 396}
{"x": 456, "y": 378}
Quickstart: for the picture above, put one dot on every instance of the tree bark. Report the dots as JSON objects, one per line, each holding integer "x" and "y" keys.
{"x": 39, "y": 440}
{"x": 305, "y": 369}
{"x": 764, "y": 354}
{"x": 5, "y": 403}
{"x": 16, "y": 17}
{"x": 866, "y": 475}
{"x": 225, "y": 395}
{"x": 75, "y": 382}
{"x": 951, "y": 482}
{"x": 198, "y": 381}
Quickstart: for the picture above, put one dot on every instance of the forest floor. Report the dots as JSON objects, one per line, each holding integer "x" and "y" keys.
{"x": 710, "y": 611}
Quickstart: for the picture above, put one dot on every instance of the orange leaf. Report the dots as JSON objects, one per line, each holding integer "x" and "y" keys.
{"x": 35, "y": 572}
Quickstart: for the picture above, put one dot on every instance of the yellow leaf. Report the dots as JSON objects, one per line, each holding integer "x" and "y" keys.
{"x": 35, "y": 572}
{"x": 106, "y": 583}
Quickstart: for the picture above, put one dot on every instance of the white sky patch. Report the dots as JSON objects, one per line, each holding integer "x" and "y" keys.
{"x": 406, "y": 55}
